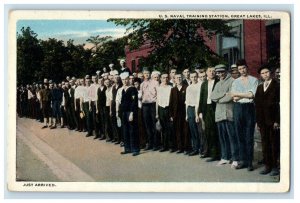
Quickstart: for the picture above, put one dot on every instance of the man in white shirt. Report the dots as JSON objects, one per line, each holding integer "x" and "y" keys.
{"x": 108, "y": 127}
{"x": 162, "y": 110}
{"x": 93, "y": 97}
{"x": 192, "y": 105}
{"x": 86, "y": 107}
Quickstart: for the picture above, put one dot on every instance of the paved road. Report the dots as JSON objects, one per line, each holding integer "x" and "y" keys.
{"x": 63, "y": 155}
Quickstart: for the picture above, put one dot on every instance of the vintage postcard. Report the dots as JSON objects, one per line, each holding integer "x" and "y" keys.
{"x": 149, "y": 101}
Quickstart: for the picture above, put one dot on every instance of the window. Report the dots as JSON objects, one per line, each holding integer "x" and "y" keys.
{"x": 231, "y": 48}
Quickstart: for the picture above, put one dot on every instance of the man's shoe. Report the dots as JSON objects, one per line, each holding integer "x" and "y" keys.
{"x": 211, "y": 159}
{"x": 222, "y": 162}
{"x": 53, "y": 127}
{"x": 45, "y": 126}
{"x": 265, "y": 171}
{"x": 162, "y": 150}
{"x": 148, "y": 148}
{"x": 234, "y": 165}
{"x": 187, "y": 152}
{"x": 155, "y": 149}
{"x": 274, "y": 172}
{"x": 179, "y": 152}
{"x": 240, "y": 166}
{"x": 250, "y": 168}
{"x": 88, "y": 135}
{"x": 172, "y": 150}
{"x": 202, "y": 156}
{"x": 135, "y": 153}
{"x": 193, "y": 153}
{"x": 125, "y": 152}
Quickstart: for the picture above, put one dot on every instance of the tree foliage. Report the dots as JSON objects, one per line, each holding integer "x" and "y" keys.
{"x": 55, "y": 59}
{"x": 180, "y": 42}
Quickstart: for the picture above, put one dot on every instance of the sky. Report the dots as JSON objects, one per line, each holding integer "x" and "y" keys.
{"x": 78, "y": 30}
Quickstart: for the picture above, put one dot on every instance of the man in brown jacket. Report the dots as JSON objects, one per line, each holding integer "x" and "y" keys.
{"x": 178, "y": 115}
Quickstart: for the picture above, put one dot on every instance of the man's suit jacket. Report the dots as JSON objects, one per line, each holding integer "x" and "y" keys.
{"x": 203, "y": 97}
{"x": 267, "y": 104}
{"x": 177, "y": 102}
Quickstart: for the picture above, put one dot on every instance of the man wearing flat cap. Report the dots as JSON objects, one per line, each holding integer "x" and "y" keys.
{"x": 267, "y": 107}
{"x": 224, "y": 117}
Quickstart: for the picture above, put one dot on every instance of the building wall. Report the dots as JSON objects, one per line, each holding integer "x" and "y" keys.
{"x": 144, "y": 51}
{"x": 255, "y": 45}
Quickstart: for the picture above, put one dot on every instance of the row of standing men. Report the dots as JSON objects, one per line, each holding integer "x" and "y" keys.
{"x": 206, "y": 113}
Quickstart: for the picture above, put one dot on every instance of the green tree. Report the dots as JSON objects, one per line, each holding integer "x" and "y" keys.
{"x": 180, "y": 43}
{"x": 54, "y": 56}
{"x": 29, "y": 56}
{"x": 108, "y": 51}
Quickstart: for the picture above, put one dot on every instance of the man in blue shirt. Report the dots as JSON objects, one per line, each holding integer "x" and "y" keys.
{"x": 243, "y": 91}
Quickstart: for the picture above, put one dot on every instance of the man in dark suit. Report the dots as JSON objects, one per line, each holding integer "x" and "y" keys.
{"x": 178, "y": 117}
{"x": 101, "y": 102}
{"x": 207, "y": 107}
{"x": 267, "y": 107}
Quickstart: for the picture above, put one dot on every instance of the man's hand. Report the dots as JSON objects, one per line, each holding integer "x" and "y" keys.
{"x": 276, "y": 126}
{"x": 130, "y": 117}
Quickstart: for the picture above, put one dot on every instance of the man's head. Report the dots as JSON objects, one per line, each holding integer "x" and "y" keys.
{"x": 265, "y": 72}
{"x": 202, "y": 75}
{"x": 155, "y": 75}
{"x": 122, "y": 63}
{"x": 87, "y": 82}
{"x": 235, "y": 73}
{"x": 194, "y": 77}
{"x": 242, "y": 67}
{"x": 186, "y": 73}
{"x": 178, "y": 79}
{"x": 221, "y": 71}
{"x": 210, "y": 72}
{"x": 125, "y": 79}
{"x": 94, "y": 79}
{"x": 140, "y": 75}
{"x": 107, "y": 82}
{"x": 164, "y": 78}
{"x": 131, "y": 78}
{"x": 137, "y": 82}
{"x": 172, "y": 73}
{"x": 146, "y": 73}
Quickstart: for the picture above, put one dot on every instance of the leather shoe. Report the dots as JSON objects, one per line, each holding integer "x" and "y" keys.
{"x": 250, "y": 168}
{"x": 172, "y": 150}
{"x": 135, "y": 153}
{"x": 202, "y": 156}
{"x": 125, "y": 152}
{"x": 274, "y": 172}
{"x": 162, "y": 150}
{"x": 211, "y": 159}
{"x": 240, "y": 166}
{"x": 193, "y": 153}
{"x": 179, "y": 152}
{"x": 148, "y": 148}
{"x": 265, "y": 171}
{"x": 88, "y": 135}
